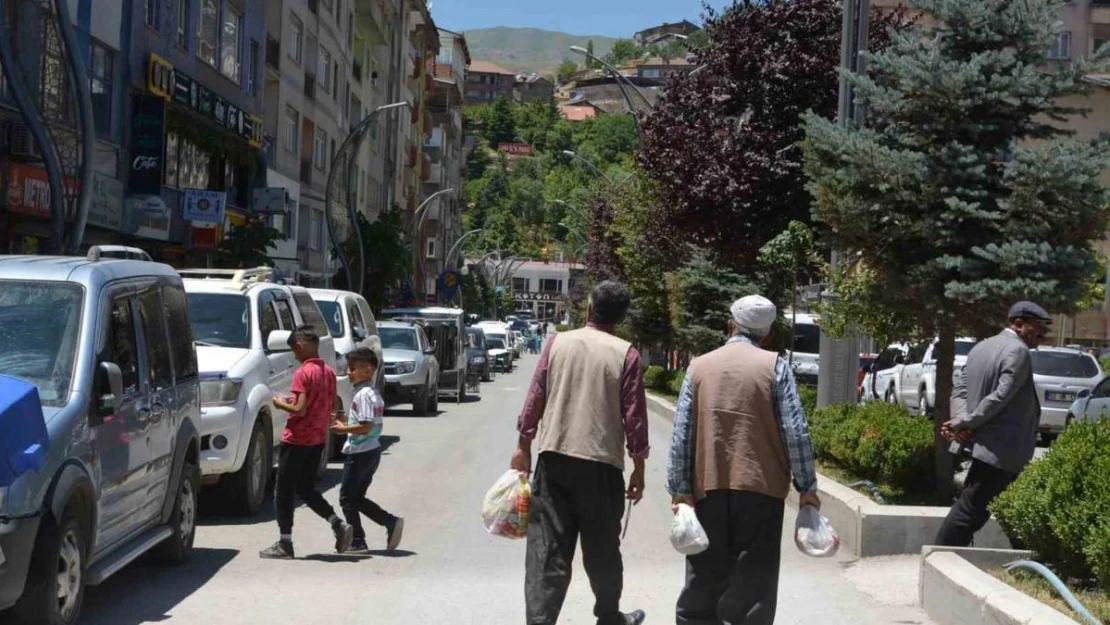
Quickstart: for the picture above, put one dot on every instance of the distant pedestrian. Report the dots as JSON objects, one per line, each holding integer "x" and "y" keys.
{"x": 363, "y": 453}
{"x": 739, "y": 433}
{"x": 302, "y": 443}
{"x": 585, "y": 403}
{"x": 995, "y": 409}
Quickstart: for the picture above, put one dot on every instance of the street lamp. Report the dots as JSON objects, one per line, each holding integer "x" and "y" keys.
{"x": 455, "y": 248}
{"x": 620, "y": 84}
{"x": 418, "y": 217}
{"x": 589, "y": 164}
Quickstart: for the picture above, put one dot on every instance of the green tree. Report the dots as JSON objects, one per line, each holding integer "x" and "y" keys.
{"x": 623, "y": 51}
{"x": 590, "y": 62}
{"x": 701, "y": 292}
{"x": 387, "y": 256}
{"x": 567, "y": 70}
{"x": 245, "y": 247}
{"x": 957, "y": 214}
{"x": 478, "y": 160}
{"x": 500, "y": 126}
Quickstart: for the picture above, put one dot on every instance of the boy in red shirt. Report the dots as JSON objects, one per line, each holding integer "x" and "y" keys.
{"x": 310, "y": 412}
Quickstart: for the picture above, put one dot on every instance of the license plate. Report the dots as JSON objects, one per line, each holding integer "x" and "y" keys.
{"x": 1059, "y": 396}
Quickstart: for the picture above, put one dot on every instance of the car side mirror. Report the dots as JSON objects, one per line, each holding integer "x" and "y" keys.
{"x": 359, "y": 333}
{"x": 278, "y": 341}
{"x": 110, "y": 388}
{"x": 1083, "y": 394}
{"x": 866, "y": 368}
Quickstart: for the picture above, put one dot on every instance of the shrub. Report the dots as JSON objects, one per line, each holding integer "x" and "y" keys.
{"x": 677, "y": 378}
{"x": 808, "y": 396}
{"x": 1057, "y": 507}
{"x": 562, "y": 327}
{"x": 876, "y": 441}
{"x": 1105, "y": 362}
{"x": 657, "y": 378}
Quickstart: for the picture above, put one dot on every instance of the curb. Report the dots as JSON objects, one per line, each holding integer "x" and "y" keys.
{"x": 954, "y": 591}
{"x": 659, "y": 407}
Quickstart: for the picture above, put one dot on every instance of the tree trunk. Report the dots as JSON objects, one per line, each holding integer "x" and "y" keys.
{"x": 946, "y": 353}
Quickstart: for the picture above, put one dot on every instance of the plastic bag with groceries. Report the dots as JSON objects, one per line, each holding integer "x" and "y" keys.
{"x": 687, "y": 535}
{"x": 814, "y": 535}
{"x": 505, "y": 508}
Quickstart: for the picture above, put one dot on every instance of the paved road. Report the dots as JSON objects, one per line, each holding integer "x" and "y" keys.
{"x": 434, "y": 473}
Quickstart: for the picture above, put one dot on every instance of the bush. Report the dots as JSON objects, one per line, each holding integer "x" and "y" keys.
{"x": 1058, "y": 506}
{"x": 808, "y": 396}
{"x": 657, "y": 378}
{"x": 876, "y": 441}
{"x": 1105, "y": 362}
{"x": 562, "y": 327}
{"x": 677, "y": 378}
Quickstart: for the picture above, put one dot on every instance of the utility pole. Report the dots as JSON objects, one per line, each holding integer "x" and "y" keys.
{"x": 839, "y": 358}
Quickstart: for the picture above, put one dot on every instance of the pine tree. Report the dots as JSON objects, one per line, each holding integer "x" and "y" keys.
{"x": 590, "y": 62}
{"x": 500, "y": 127}
{"x": 956, "y": 213}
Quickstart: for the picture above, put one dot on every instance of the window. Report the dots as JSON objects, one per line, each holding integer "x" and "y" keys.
{"x": 252, "y": 71}
{"x": 430, "y": 247}
{"x": 208, "y": 31}
{"x": 292, "y": 129}
{"x": 296, "y": 39}
{"x": 123, "y": 348}
{"x": 1064, "y": 364}
{"x": 323, "y": 69}
{"x": 315, "y": 231}
{"x": 328, "y": 5}
{"x": 187, "y": 166}
{"x": 267, "y": 315}
{"x": 153, "y": 13}
{"x": 320, "y": 149}
{"x": 220, "y": 319}
{"x": 650, "y": 73}
{"x": 335, "y": 81}
{"x": 101, "y": 68}
{"x": 520, "y": 285}
{"x": 355, "y": 315}
{"x": 310, "y": 313}
{"x": 285, "y": 313}
{"x": 333, "y": 314}
{"x": 1061, "y": 49}
{"x": 549, "y": 285}
{"x": 181, "y": 343}
{"x": 230, "y": 45}
{"x": 183, "y": 7}
{"x": 807, "y": 339}
{"x": 157, "y": 341}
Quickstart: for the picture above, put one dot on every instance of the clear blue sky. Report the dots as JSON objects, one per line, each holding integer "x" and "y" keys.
{"x": 614, "y": 18}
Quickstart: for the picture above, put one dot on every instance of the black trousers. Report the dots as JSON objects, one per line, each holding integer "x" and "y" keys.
{"x": 736, "y": 580}
{"x": 969, "y": 514}
{"x": 358, "y": 474}
{"x": 574, "y": 499}
{"x": 296, "y": 475}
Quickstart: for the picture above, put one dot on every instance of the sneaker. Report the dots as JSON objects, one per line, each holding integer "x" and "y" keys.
{"x": 635, "y": 617}
{"x": 281, "y": 550}
{"x": 394, "y": 532}
{"x": 344, "y": 534}
{"x": 359, "y": 548}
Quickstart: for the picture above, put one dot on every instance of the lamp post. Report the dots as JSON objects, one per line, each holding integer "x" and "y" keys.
{"x": 620, "y": 84}
{"x": 596, "y": 169}
{"x": 455, "y": 248}
{"x": 418, "y": 217}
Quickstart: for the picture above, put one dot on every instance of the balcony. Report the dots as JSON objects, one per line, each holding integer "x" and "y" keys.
{"x": 356, "y": 71}
{"x": 273, "y": 52}
{"x": 306, "y": 172}
{"x": 310, "y": 85}
{"x": 426, "y": 169}
{"x": 370, "y": 21}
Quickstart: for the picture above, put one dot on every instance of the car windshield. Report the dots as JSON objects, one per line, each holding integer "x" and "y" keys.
{"x": 40, "y": 324}
{"x": 494, "y": 342}
{"x": 333, "y": 314}
{"x": 963, "y": 348}
{"x": 220, "y": 319}
{"x": 476, "y": 340}
{"x": 807, "y": 339}
{"x": 398, "y": 338}
{"x": 1064, "y": 365}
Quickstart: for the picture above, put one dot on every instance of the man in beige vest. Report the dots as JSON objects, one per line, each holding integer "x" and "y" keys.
{"x": 739, "y": 433}
{"x": 585, "y": 405}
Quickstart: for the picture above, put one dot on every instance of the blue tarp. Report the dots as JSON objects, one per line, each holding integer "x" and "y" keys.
{"x": 24, "y": 440}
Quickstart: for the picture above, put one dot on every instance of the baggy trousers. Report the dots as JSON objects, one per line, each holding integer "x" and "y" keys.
{"x": 969, "y": 514}
{"x": 296, "y": 474}
{"x": 574, "y": 499}
{"x": 736, "y": 580}
{"x": 358, "y": 474}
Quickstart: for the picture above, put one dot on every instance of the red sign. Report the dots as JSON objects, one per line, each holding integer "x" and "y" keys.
{"x": 515, "y": 149}
{"x": 29, "y": 190}
{"x": 205, "y": 239}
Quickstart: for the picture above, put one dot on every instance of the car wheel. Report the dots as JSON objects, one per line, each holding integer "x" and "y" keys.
{"x": 487, "y": 374}
{"x": 462, "y": 388}
{"x": 247, "y": 488}
{"x": 55, "y": 584}
{"x": 1048, "y": 438}
{"x": 922, "y": 404}
{"x": 422, "y": 401}
{"x": 183, "y": 519}
{"x": 889, "y": 396}
{"x": 433, "y": 401}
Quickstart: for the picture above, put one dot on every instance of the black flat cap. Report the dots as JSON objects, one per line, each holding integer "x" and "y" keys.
{"x": 1029, "y": 310}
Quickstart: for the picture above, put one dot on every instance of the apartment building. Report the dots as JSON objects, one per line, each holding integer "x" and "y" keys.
{"x": 485, "y": 82}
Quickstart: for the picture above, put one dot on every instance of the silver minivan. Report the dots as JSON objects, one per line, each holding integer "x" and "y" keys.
{"x": 108, "y": 345}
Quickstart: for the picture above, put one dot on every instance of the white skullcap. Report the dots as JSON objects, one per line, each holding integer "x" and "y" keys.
{"x": 754, "y": 314}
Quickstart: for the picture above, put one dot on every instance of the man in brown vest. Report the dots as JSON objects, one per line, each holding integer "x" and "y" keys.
{"x": 739, "y": 433}
{"x": 586, "y": 403}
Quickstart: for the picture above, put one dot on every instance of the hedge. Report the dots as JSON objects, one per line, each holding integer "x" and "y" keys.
{"x": 677, "y": 378}
{"x": 808, "y": 396}
{"x": 876, "y": 441}
{"x": 1060, "y": 505}
{"x": 657, "y": 378}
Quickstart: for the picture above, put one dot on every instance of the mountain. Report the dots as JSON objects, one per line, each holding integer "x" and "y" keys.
{"x": 530, "y": 49}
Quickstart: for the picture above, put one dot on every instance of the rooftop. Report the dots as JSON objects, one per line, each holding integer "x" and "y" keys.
{"x": 484, "y": 67}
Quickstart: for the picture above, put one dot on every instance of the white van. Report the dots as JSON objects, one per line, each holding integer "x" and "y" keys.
{"x": 804, "y": 355}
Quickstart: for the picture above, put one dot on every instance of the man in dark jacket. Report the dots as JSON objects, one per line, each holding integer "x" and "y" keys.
{"x": 995, "y": 411}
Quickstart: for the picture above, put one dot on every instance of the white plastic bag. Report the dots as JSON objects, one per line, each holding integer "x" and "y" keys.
{"x": 814, "y": 535}
{"x": 506, "y": 506}
{"x": 687, "y": 535}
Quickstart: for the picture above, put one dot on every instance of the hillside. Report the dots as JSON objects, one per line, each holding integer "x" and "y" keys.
{"x": 530, "y": 49}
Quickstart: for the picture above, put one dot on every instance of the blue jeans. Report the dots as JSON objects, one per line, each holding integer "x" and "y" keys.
{"x": 358, "y": 473}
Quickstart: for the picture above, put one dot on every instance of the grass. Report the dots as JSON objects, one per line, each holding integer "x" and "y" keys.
{"x": 892, "y": 495}
{"x": 1038, "y": 588}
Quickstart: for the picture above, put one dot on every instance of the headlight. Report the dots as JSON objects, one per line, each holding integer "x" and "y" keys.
{"x": 477, "y": 360}
{"x": 220, "y": 392}
{"x": 406, "y": 367}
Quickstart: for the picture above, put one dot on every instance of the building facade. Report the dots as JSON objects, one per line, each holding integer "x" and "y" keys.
{"x": 485, "y": 82}
{"x": 544, "y": 288}
{"x": 532, "y": 88}
{"x": 664, "y": 33}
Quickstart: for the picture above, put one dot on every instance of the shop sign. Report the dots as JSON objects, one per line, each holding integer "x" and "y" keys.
{"x": 515, "y": 149}
{"x": 173, "y": 84}
{"x": 205, "y": 239}
{"x": 537, "y": 297}
{"x": 185, "y": 91}
{"x": 106, "y": 210}
{"x": 152, "y": 224}
{"x": 29, "y": 190}
{"x": 204, "y": 206}
{"x": 148, "y": 134}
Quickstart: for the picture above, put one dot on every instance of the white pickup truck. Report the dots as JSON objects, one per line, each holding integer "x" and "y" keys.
{"x": 912, "y": 382}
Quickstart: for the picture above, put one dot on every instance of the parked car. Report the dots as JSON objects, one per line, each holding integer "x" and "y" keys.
{"x": 804, "y": 356}
{"x": 351, "y": 324}
{"x": 499, "y": 353}
{"x": 1060, "y": 374}
{"x": 866, "y": 361}
{"x": 913, "y": 381}
{"x": 242, "y": 324}
{"x": 878, "y": 379}
{"x": 478, "y": 353}
{"x": 518, "y": 344}
{"x": 501, "y": 329}
{"x": 446, "y": 329}
{"x": 411, "y": 368}
{"x": 108, "y": 344}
